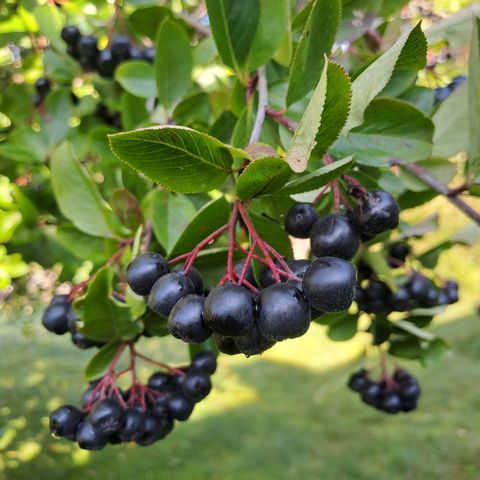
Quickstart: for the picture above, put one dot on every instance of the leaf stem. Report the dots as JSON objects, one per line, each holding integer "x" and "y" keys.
{"x": 262, "y": 87}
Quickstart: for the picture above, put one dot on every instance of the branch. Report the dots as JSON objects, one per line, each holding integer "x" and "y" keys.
{"x": 262, "y": 87}
{"x": 434, "y": 184}
{"x": 279, "y": 118}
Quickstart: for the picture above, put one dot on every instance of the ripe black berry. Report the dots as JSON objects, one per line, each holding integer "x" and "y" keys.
{"x": 70, "y": 34}
{"x": 390, "y": 402}
{"x": 107, "y": 416}
{"x": 253, "y": 342}
{"x": 149, "y": 54}
{"x": 186, "y": 320}
{"x": 358, "y": 381}
{"x": 226, "y": 344}
{"x": 64, "y": 420}
{"x": 249, "y": 276}
{"x": 144, "y": 271}
{"x": 87, "y": 47}
{"x": 167, "y": 291}
{"x": 42, "y": 85}
{"x": 180, "y": 406}
{"x": 205, "y": 361}
{"x": 397, "y": 254}
{"x": 106, "y": 63}
{"x": 371, "y": 394}
{"x": 120, "y": 47}
{"x": 229, "y": 310}
{"x": 300, "y": 219}
{"x": 284, "y": 312}
{"x": 88, "y": 438}
{"x": 162, "y": 382}
{"x": 134, "y": 53}
{"x": 196, "y": 385}
{"x": 419, "y": 286}
{"x": 133, "y": 427}
{"x": 194, "y": 276}
{"x": 55, "y": 317}
{"x": 376, "y": 212}
{"x": 334, "y": 236}
{"x": 329, "y": 284}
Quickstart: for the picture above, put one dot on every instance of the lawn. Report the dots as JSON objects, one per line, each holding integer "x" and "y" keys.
{"x": 286, "y": 415}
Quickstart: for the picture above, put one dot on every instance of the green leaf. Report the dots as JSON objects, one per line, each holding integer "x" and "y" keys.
{"x": 155, "y": 324}
{"x": 406, "y": 348}
{"x": 137, "y": 78}
{"x": 170, "y": 215}
{"x": 99, "y": 363}
{"x": 429, "y": 224}
{"x": 77, "y": 195}
{"x": 412, "y": 329}
{"x": 343, "y": 328}
{"x": 408, "y": 52}
{"x": 50, "y": 23}
{"x": 318, "y": 178}
{"x": 474, "y": 101}
{"x": 336, "y": 108}
{"x": 392, "y": 130}
{"x": 56, "y": 125}
{"x": 179, "y": 158}
{"x": 212, "y": 216}
{"x": 430, "y": 257}
{"x": 104, "y": 318}
{"x": 147, "y": 20}
{"x": 234, "y": 25}
{"x": 304, "y": 138}
{"x": 379, "y": 264}
{"x": 435, "y": 351}
{"x": 127, "y": 208}
{"x": 262, "y": 176}
{"x": 316, "y": 41}
{"x": 134, "y": 111}
{"x": 173, "y": 63}
{"x": 442, "y": 170}
{"x": 272, "y": 233}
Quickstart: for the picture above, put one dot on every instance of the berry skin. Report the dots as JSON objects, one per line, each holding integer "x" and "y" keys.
{"x": 441, "y": 94}
{"x": 194, "y": 276}
{"x": 226, "y": 344}
{"x": 196, "y": 385}
{"x": 106, "y": 63}
{"x": 84, "y": 343}
{"x": 88, "y": 438}
{"x": 398, "y": 253}
{"x": 133, "y": 427}
{"x": 253, "y": 343}
{"x": 144, "y": 271}
{"x": 298, "y": 268}
{"x": 179, "y": 406}
{"x": 334, "y": 236}
{"x": 120, "y": 47}
{"x": 249, "y": 276}
{"x": 87, "y": 395}
{"x": 87, "y": 46}
{"x": 390, "y": 402}
{"x": 284, "y": 312}
{"x": 134, "y": 53}
{"x": 186, "y": 321}
{"x": 401, "y": 301}
{"x": 329, "y": 284}
{"x": 376, "y": 212}
{"x": 149, "y": 54}
{"x": 55, "y": 317}
{"x": 371, "y": 394}
{"x": 358, "y": 381}
{"x": 419, "y": 286}
{"x": 72, "y": 50}
{"x": 229, "y": 310}
{"x": 151, "y": 428}
{"x": 162, "y": 382}
{"x": 64, "y": 420}
{"x": 107, "y": 416}
{"x": 167, "y": 291}
{"x": 70, "y": 34}
{"x": 300, "y": 219}
{"x": 205, "y": 361}
{"x": 42, "y": 85}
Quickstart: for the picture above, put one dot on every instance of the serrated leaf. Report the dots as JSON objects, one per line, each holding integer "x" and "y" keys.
{"x": 103, "y": 318}
{"x": 173, "y": 63}
{"x": 392, "y": 130}
{"x": 211, "y": 217}
{"x": 474, "y": 101}
{"x": 262, "y": 176}
{"x": 304, "y": 138}
{"x": 318, "y": 178}
{"x": 170, "y": 214}
{"x": 379, "y": 264}
{"x": 77, "y": 195}
{"x": 99, "y": 363}
{"x": 409, "y": 52}
{"x": 336, "y": 108}
{"x": 137, "y": 78}
{"x": 316, "y": 41}
{"x": 179, "y": 158}
{"x": 343, "y": 328}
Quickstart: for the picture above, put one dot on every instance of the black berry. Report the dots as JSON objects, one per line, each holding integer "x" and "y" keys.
{"x": 144, "y": 271}
{"x": 107, "y": 416}
{"x": 376, "y": 212}
{"x": 205, "y": 361}
{"x": 64, "y": 420}
{"x": 167, "y": 291}
{"x": 300, "y": 219}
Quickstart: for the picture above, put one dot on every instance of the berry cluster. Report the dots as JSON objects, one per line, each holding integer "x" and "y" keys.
{"x": 84, "y": 48}
{"x": 399, "y": 393}
{"x": 60, "y": 318}
{"x": 442, "y": 93}
{"x": 42, "y": 87}
{"x": 142, "y": 414}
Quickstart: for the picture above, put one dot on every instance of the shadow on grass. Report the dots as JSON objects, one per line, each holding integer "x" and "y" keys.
{"x": 265, "y": 420}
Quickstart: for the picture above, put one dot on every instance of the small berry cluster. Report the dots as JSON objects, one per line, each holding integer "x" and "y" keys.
{"x": 60, "y": 318}
{"x": 142, "y": 414}
{"x": 84, "y": 48}
{"x": 42, "y": 87}
{"x": 399, "y": 393}
{"x": 442, "y": 93}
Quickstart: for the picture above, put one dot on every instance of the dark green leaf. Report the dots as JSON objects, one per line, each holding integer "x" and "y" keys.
{"x": 406, "y": 348}
{"x": 263, "y": 176}
{"x": 343, "y": 328}
{"x": 137, "y": 78}
{"x": 316, "y": 41}
{"x": 435, "y": 351}
{"x": 147, "y": 20}
{"x": 127, "y": 208}
{"x": 155, "y": 324}
{"x": 179, "y": 158}
{"x": 430, "y": 258}
{"x": 99, "y": 363}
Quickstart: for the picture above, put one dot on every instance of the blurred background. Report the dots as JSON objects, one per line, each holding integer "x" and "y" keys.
{"x": 285, "y": 415}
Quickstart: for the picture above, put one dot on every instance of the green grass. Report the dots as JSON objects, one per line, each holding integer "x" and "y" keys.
{"x": 286, "y": 415}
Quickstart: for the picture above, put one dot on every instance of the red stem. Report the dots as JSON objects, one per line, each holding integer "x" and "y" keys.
{"x": 322, "y": 193}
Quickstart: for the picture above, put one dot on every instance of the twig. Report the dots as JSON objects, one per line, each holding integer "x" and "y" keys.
{"x": 279, "y": 118}
{"x": 262, "y": 87}
{"x": 433, "y": 183}
{"x": 198, "y": 27}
